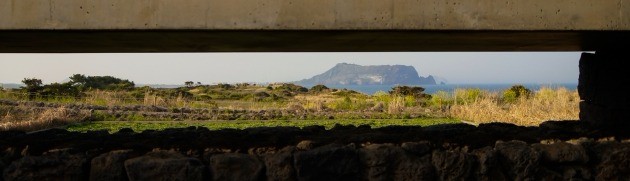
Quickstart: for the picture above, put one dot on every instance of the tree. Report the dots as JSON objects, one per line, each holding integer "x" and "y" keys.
{"x": 100, "y": 82}
{"x": 189, "y": 83}
{"x": 417, "y": 92}
{"x": 78, "y": 79}
{"x": 63, "y": 89}
{"x": 33, "y": 86}
{"x": 32, "y": 82}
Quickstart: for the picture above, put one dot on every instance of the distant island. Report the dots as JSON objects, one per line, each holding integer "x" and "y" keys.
{"x": 352, "y": 74}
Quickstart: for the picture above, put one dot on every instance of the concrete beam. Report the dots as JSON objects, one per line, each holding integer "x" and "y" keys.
{"x": 92, "y": 41}
{"x": 315, "y": 15}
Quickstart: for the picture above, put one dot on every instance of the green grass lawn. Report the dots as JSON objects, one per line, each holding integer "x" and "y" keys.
{"x": 139, "y": 126}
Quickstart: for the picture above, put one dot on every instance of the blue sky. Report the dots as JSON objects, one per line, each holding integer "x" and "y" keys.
{"x": 176, "y": 68}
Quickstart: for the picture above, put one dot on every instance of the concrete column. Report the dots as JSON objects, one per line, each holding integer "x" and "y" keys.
{"x": 604, "y": 100}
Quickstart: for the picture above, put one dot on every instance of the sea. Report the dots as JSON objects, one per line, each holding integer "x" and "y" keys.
{"x": 430, "y": 89}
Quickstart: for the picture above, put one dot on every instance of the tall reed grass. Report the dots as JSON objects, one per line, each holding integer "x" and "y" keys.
{"x": 545, "y": 104}
{"x": 31, "y": 120}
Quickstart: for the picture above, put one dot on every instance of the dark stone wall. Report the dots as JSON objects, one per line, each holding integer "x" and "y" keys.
{"x": 581, "y": 159}
{"x": 603, "y": 83}
{"x": 562, "y": 150}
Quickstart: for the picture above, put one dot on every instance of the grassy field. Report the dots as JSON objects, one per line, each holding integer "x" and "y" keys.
{"x": 114, "y": 126}
{"x": 545, "y": 104}
{"x": 44, "y": 106}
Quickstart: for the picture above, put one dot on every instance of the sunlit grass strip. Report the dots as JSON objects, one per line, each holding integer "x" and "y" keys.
{"x": 545, "y": 104}
{"x": 41, "y": 120}
{"x": 114, "y": 126}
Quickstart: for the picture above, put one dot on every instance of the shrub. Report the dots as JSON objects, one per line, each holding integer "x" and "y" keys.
{"x": 83, "y": 82}
{"x": 381, "y": 96}
{"x": 342, "y": 104}
{"x": 410, "y": 101}
{"x": 441, "y": 98}
{"x": 225, "y": 86}
{"x": 291, "y": 87}
{"x": 405, "y": 90}
{"x": 417, "y": 92}
{"x": 516, "y": 92}
{"x": 346, "y": 93}
{"x": 135, "y": 117}
{"x": 467, "y": 96}
{"x": 319, "y": 88}
{"x": 509, "y": 96}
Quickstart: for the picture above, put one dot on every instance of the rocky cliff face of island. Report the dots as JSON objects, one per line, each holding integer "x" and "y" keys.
{"x": 352, "y": 74}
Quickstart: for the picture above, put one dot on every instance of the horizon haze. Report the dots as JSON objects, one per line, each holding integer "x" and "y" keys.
{"x": 208, "y": 68}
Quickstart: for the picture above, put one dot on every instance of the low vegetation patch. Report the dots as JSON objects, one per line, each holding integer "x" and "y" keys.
{"x": 243, "y": 124}
{"x": 37, "y": 119}
{"x": 106, "y": 98}
{"x": 525, "y": 108}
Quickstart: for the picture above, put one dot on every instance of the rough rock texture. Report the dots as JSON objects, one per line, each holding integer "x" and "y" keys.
{"x": 614, "y": 161}
{"x": 51, "y": 166}
{"x": 164, "y": 165}
{"x": 454, "y": 165}
{"x": 562, "y": 152}
{"x": 110, "y": 166}
{"x": 387, "y": 162}
{"x": 235, "y": 166}
{"x": 417, "y": 148}
{"x": 331, "y": 162}
{"x": 280, "y": 165}
{"x": 489, "y": 167}
{"x": 554, "y": 151}
{"x": 519, "y": 160}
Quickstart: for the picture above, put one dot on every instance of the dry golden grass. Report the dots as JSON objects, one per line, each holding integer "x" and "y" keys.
{"x": 546, "y": 104}
{"x": 107, "y": 98}
{"x": 121, "y": 98}
{"x": 396, "y": 106}
{"x": 48, "y": 118}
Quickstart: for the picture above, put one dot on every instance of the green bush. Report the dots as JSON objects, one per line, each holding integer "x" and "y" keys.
{"x": 417, "y": 92}
{"x": 291, "y": 88}
{"x": 83, "y": 83}
{"x": 102, "y": 116}
{"x": 135, "y": 117}
{"x": 346, "y": 93}
{"x": 516, "y": 92}
{"x": 410, "y": 101}
{"x": 441, "y": 98}
{"x": 509, "y": 96}
{"x": 319, "y": 88}
{"x": 467, "y": 96}
{"x": 225, "y": 86}
{"x": 382, "y": 96}
{"x": 342, "y": 104}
